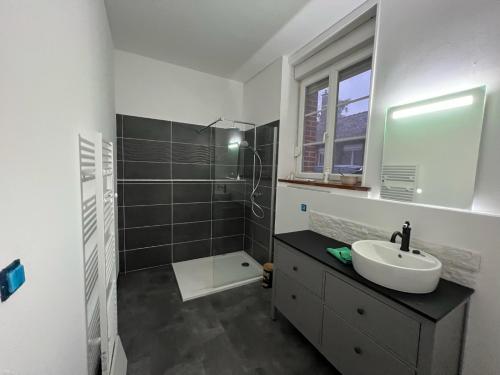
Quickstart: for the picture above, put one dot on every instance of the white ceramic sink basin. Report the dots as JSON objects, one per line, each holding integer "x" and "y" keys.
{"x": 383, "y": 263}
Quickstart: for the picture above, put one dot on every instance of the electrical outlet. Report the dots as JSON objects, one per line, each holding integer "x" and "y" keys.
{"x": 303, "y": 207}
{"x": 11, "y": 278}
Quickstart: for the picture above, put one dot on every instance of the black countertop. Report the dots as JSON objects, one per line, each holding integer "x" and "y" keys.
{"x": 433, "y": 306}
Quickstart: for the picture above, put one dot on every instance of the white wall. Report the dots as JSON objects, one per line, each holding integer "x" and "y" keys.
{"x": 456, "y": 50}
{"x": 55, "y": 81}
{"x": 150, "y": 88}
{"x": 262, "y": 95}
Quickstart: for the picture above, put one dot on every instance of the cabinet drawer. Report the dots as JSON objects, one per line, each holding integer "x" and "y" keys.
{"x": 298, "y": 266}
{"x": 386, "y": 325}
{"x": 302, "y": 308}
{"x": 352, "y": 352}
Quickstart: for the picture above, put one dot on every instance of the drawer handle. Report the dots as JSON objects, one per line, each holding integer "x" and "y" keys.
{"x": 360, "y": 311}
{"x": 358, "y": 350}
{"x": 294, "y": 296}
{"x": 295, "y": 268}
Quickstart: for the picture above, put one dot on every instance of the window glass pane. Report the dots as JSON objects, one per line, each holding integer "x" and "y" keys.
{"x": 314, "y": 127}
{"x": 349, "y": 156}
{"x": 315, "y": 114}
{"x": 313, "y": 158}
{"x": 351, "y": 119}
{"x": 354, "y": 82}
{"x": 355, "y": 87}
{"x": 316, "y": 97}
{"x": 350, "y": 109}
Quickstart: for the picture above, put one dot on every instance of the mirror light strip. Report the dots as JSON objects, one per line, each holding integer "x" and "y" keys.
{"x": 433, "y": 107}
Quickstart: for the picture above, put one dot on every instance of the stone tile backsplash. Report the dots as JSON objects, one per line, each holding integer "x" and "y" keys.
{"x": 459, "y": 265}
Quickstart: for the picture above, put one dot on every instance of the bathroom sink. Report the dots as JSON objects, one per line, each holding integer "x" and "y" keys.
{"x": 383, "y": 263}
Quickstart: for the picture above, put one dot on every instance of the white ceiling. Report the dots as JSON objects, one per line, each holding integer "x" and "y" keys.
{"x": 212, "y": 36}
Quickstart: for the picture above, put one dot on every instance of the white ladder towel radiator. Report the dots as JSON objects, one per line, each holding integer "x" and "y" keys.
{"x": 105, "y": 354}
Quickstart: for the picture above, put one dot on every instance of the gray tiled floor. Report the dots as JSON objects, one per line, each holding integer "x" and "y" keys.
{"x": 229, "y": 333}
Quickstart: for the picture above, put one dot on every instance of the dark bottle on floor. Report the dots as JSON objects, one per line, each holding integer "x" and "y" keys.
{"x": 267, "y": 277}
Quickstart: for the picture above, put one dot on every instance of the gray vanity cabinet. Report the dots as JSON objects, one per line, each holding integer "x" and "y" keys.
{"x": 301, "y": 307}
{"x": 360, "y": 331}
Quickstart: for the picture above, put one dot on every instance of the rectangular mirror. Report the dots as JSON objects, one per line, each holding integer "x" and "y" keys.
{"x": 431, "y": 149}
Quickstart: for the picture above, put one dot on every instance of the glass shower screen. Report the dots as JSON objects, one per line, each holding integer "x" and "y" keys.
{"x": 233, "y": 171}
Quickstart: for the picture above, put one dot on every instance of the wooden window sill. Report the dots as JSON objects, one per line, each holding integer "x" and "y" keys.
{"x": 333, "y": 185}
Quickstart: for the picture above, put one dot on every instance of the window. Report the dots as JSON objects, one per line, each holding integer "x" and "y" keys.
{"x": 334, "y": 116}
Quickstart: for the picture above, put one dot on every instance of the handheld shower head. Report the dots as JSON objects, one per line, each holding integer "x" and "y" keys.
{"x": 257, "y": 210}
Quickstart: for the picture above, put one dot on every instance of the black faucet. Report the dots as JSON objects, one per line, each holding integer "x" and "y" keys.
{"x": 405, "y": 237}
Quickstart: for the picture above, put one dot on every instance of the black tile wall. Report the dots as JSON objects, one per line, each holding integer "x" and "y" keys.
{"x": 146, "y": 170}
{"x": 228, "y": 191}
{"x": 146, "y": 128}
{"x": 148, "y": 236}
{"x": 263, "y": 194}
{"x": 119, "y": 169}
{"x": 266, "y": 154}
{"x": 119, "y": 148}
{"x": 267, "y": 175}
{"x": 221, "y": 137}
{"x": 192, "y": 231}
{"x": 260, "y": 253}
{"x": 224, "y": 245}
{"x": 119, "y": 126}
{"x": 121, "y": 260}
{"x": 120, "y": 217}
{"x": 258, "y": 242}
{"x": 260, "y": 234}
{"x": 119, "y": 191}
{"x": 257, "y": 232}
{"x": 224, "y": 171}
{"x": 121, "y": 239}
{"x": 191, "y": 171}
{"x": 196, "y": 210}
{"x": 228, "y": 227}
{"x": 222, "y": 155}
{"x": 149, "y": 257}
{"x": 141, "y": 216}
{"x": 262, "y": 221}
{"x": 192, "y": 192}
{"x": 145, "y": 150}
{"x": 190, "y": 154}
{"x": 137, "y": 194}
{"x": 250, "y": 137}
{"x": 233, "y": 209}
{"x": 191, "y": 250}
{"x": 189, "y": 212}
{"x": 265, "y": 133}
{"x": 247, "y": 244}
{"x": 188, "y": 133}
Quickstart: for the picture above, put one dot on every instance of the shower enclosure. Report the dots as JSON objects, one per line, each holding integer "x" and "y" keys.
{"x": 189, "y": 195}
{"x": 237, "y": 163}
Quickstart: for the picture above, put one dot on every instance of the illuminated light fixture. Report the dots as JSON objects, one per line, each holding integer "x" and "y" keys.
{"x": 441, "y": 105}
{"x": 419, "y": 191}
{"x": 233, "y": 145}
